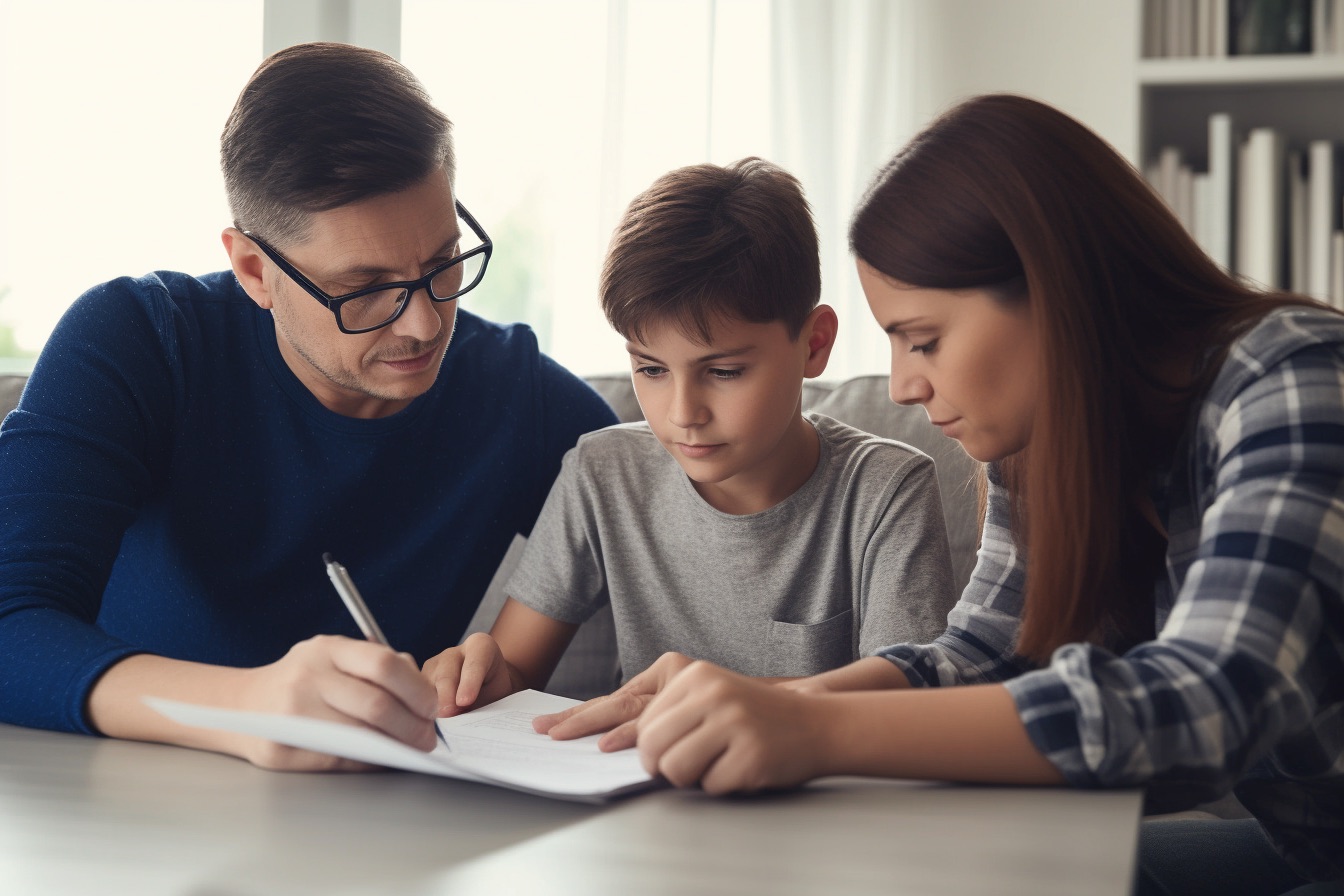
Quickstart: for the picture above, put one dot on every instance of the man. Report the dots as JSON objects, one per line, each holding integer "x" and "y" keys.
{"x": 188, "y": 448}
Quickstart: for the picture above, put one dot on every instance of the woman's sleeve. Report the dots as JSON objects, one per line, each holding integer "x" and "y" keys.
{"x": 977, "y": 646}
{"x": 1239, "y": 665}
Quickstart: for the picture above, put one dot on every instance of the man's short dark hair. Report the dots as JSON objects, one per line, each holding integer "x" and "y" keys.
{"x": 322, "y": 125}
{"x": 705, "y": 243}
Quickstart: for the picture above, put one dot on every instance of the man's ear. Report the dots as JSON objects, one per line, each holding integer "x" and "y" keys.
{"x": 819, "y": 331}
{"x": 248, "y": 266}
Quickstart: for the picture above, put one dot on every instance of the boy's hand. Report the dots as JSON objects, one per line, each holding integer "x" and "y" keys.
{"x": 617, "y": 711}
{"x": 471, "y": 675}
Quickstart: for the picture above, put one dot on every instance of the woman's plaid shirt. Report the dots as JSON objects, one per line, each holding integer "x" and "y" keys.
{"x": 1244, "y": 684}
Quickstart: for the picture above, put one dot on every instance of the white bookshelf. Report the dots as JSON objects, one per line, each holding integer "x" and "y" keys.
{"x": 1298, "y": 95}
{"x": 1303, "y": 95}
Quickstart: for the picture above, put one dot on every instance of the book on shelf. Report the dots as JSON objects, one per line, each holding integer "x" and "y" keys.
{"x": 1323, "y": 214}
{"x": 1220, "y": 224}
{"x": 1298, "y": 221}
{"x": 1327, "y": 26}
{"x": 1218, "y": 28}
{"x": 1257, "y": 27}
{"x": 1259, "y": 206}
{"x": 1337, "y": 270}
{"x": 1262, "y": 207}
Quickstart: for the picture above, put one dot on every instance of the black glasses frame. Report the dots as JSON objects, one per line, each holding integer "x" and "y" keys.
{"x": 334, "y": 303}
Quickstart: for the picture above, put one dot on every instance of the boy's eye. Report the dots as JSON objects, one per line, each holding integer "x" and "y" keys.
{"x": 724, "y": 373}
{"x": 926, "y": 347}
{"x": 650, "y": 371}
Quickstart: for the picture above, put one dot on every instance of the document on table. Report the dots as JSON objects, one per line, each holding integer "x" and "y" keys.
{"x": 494, "y": 744}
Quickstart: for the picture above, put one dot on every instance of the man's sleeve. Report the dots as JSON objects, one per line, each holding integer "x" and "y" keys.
{"x": 74, "y": 465}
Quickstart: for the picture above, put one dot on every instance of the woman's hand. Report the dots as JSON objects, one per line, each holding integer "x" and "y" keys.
{"x": 727, "y": 732}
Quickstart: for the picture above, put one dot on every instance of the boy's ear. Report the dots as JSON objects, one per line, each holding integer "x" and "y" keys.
{"x": 819, "y": 331}
{"x": 247, "y": 263}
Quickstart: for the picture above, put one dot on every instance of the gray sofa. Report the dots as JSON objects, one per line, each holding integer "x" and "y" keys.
{"x": 590, "y": 666}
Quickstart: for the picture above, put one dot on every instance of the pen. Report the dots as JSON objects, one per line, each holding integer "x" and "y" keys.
{"x": 345, "y": 587}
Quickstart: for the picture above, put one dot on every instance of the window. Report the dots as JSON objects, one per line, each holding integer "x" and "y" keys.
{"x": 110, "y": 164}
{"x": 563, "y": 112}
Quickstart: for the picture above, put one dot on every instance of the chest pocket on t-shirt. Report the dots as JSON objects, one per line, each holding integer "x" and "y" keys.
{"x": 797, "y": 649}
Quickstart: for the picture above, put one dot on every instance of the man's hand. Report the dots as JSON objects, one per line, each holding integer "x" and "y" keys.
{"x": 345, "y": 680}
{"x": 617, "y": 712}
{"x": 328, "y": 677}
{"x": 729, "y": 733}
{"x": 471, "y": 675}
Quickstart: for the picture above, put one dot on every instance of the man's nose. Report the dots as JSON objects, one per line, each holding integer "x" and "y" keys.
{"x": 423, "y": 318}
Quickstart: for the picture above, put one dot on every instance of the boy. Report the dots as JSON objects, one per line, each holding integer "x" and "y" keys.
{"x": 729, "y": 526}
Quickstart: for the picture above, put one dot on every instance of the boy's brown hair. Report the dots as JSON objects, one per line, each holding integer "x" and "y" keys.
{"x": 707, "y": 242}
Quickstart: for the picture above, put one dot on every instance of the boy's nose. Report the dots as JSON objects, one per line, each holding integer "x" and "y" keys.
{"x": 686, "y": 409}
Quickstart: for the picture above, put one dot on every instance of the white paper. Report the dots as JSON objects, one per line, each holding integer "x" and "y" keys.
{"x": 494, "y": 744}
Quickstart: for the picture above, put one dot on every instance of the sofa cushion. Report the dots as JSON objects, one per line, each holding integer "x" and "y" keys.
{"x": 11, "y": 385}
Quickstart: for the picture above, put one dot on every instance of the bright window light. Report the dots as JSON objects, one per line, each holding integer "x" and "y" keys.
{"x": 563, "y": 112}
{"x": 110, "y": 163}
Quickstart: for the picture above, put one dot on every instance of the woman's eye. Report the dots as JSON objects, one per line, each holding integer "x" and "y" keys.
{"x": 925, "y": 347}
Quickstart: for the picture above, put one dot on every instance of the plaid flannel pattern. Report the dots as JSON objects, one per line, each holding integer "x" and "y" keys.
{"x": 1244, "y": 684}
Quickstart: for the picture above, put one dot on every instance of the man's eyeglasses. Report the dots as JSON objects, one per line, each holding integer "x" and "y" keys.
{"x": 377, "y": 306}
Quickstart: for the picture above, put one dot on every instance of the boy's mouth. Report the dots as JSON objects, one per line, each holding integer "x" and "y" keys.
{"x": 698, "y": 450}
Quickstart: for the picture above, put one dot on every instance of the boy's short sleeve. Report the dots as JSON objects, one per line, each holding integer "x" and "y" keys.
{"x": 907, "y": 570}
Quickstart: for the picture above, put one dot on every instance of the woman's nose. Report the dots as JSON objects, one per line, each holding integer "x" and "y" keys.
{"x": 907, "y": 388}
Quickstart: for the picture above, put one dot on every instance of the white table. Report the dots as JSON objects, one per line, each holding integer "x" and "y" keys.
{"x": 87, "y": 815}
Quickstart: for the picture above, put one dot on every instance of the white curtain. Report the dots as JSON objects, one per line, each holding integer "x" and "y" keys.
{"x": 845, "y": 86}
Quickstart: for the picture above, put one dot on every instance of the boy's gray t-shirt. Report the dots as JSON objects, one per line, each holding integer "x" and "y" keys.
{"x": 855, "y": 560}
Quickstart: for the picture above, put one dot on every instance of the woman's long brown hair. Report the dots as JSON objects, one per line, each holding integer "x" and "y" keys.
{"x": 1003, "y": 191}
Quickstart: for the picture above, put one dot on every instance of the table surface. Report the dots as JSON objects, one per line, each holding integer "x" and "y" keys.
{"x": 89, "y": 815}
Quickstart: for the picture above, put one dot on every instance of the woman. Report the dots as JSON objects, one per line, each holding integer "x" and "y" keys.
{"x": 1158, "y": 594}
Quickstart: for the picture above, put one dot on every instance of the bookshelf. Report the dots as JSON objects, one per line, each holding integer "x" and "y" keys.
{"x": 1276, "y": 207}
{"x": 1303, "y": 95}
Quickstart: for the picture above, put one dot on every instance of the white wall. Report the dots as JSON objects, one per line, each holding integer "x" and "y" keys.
{"x": 1078, "y": 55}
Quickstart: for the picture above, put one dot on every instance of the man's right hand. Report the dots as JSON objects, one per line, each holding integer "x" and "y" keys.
{"x": 345, "y": 680}
{"x": 470, "y": 675}
{"x": 327, "y": 677}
